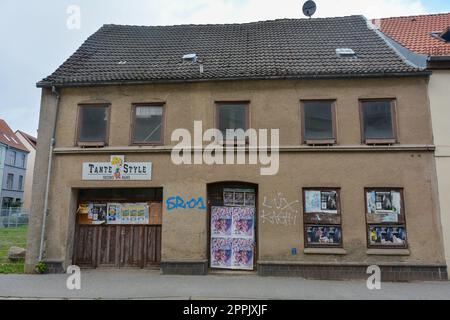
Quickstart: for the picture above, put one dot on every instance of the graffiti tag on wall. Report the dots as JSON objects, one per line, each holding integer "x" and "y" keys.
{"x": 279, "y": 211}
{"x": 178, "y": 202}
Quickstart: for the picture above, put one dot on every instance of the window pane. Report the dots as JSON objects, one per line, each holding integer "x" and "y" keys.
{"x": 93, "y": 124}
{"x": 10, "y": 181}
{"x": 148, "y": 124}
{"x": 232, "y": 117}
{"x": 318, "y": 120}
{"x": 20, "y": 183}
{"x": 377, "y": 120}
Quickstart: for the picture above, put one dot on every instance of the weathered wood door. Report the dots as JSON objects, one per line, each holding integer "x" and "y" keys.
{"x": 117, "y": 246}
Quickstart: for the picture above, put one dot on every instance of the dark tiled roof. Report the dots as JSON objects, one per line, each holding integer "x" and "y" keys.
{"x": 415, "y": 32}
{"x": 288, "y": 48}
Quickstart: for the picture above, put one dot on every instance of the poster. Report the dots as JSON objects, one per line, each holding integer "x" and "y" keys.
{"x": 98, "y": 213}
{"x": 239, "y": 198}
{"x": 387, "y": 236}
{"x": 321, "y": 201}
{"x": 324, "y": 235}
{"x": 242, "y": 254}
{"x": 114, "y": 213}
{"x": 221, "y": 252}
{"x": 232, "y": 237}
{"x": 384, "y": 202}
{"x": 243, "y": 222}
{"x": 221, "y": 221}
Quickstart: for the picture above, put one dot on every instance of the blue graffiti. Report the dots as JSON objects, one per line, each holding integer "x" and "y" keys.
{"x": 178, "y": 202}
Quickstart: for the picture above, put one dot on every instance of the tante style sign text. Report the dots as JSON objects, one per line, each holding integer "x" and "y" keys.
{"x": 117, "y": 169}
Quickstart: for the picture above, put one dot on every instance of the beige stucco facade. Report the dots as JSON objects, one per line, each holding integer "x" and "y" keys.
{"x": 440, "y": 112}
{"x": 348, "y": 165}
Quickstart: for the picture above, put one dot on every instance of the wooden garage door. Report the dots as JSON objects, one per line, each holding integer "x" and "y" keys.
{"x": 125, "y": 246}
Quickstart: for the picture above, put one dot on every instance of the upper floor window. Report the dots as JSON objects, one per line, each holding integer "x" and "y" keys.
{"x": 319, "y": 125}
{"x": 148, "y": 124}
{"x": 12, "y": 158}
{"x": 20, "y": 187}
{"x": 10, "y": 181}
{"x": 233, "y": 120}
{"x": 378, "y": 121}
{"x": 93, "y": 125}
{"x": 22, "y": 160}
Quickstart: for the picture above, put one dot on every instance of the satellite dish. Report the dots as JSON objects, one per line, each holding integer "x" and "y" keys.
{"x": 309, "y": 8}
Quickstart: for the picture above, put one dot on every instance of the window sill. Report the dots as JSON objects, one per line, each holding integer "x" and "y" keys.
{"x": 324, "y": 251}
{"x": 388, "y": 252}
{"x": 91, "y": 144}
{"x": 320, "y": 142}
{"x": 380, "y": 141}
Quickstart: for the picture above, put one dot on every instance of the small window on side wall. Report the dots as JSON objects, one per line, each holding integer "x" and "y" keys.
{"x": 93, "y": 125}
{"x": 385, "y": 217}
{"x": 322, "y": 218}
{"x": 148, "y": 124}
{"x": 378, "y": 119}
{"x": 318, "y": 122}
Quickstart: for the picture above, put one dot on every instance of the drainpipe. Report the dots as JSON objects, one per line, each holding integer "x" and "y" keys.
{"x": 49, "y": 168}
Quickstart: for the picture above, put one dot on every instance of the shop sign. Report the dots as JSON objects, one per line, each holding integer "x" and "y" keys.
{"x": 117, "y": 169}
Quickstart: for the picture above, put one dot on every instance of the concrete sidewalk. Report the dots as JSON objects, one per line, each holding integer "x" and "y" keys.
{"x": 108, "y": 284}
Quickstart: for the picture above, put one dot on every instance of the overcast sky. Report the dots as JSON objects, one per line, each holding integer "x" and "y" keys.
{"x": 36, "y": 40}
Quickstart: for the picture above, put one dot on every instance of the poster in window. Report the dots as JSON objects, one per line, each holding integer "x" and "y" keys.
{"x": 228, "y": 198}
{"x": 384, "y": 202}
{"x": 242, "y": 254}
{"x": 125, "y": 214}
{"x": 243, "y": 222}
{"x": 114, "y": 213}
{"x": 221, "y": 221}
{"x": 321, "y": 201}
{"x": 324, "y": 235}
{"x": 389, "y": 236}
{"x": 239, "y": 198}
{"x": 99, "y": 213}
{"x": 221, "y": 252}
{"x": 250, "y": 199}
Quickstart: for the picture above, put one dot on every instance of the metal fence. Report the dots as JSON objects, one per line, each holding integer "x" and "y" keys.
{"x": 13, "y": 217}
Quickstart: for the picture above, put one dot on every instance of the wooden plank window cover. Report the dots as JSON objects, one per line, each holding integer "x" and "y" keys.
{"x": 155, "y": 215}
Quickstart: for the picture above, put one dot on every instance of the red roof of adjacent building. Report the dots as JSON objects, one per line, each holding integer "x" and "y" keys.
{"x": 8, "y": 137}
{"x": 415, "y": 32}
{"x": 31, "y": 140}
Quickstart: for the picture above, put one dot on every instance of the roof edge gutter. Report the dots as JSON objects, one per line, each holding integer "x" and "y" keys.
{"x": 44, "y": 84}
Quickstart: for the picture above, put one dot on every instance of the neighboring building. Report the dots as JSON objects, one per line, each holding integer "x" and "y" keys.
{"x": 426, "y": 40}
{"x": 30, "y": 143}
{"x": 13, "y": 164}
{"x": 356, "y": 184}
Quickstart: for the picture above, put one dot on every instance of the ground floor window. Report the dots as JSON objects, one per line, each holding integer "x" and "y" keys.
{"x": 385, "y": 217}
{"x": 322, "y": 217}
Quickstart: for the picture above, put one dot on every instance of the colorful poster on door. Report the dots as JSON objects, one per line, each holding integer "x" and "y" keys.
{"x": 221, "y": 252}
{"x": 114, "y": 213}
{"x": 243, "y": 222}
{"x": 242, "y": 251}
{"x": 221, "y": 221}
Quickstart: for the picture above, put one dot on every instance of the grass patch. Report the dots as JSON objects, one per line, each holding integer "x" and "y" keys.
{"x": 8, "y": 238}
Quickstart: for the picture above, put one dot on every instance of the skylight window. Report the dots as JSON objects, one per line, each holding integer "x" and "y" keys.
{"x": 345, "y": 53}
{"x": 14, "y": 140}
{"x": 446, "y": 35}
{"x": 7, "y": 138}
{"x": 443, "y": 36}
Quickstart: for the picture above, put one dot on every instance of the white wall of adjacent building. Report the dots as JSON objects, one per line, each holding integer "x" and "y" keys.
{"x": 439, "y": 92}
{"x": 29, "y": 173}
